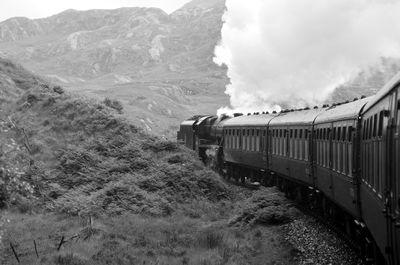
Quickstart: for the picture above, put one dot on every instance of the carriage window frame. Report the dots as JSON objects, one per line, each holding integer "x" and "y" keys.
{"x": 334, "y": 133}
{"x": 370, "y": 128}
{"x": 380, "y": 126}
{"x": 349, "y": 133}
{"x": 344, "y": 131}
{"x": 375, "y": 121}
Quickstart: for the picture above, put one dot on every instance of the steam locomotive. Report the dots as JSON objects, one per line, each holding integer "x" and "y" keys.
{"x": 343, "y": 160}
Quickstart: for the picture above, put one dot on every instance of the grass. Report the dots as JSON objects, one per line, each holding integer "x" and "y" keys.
{"x": 127, "y": 239}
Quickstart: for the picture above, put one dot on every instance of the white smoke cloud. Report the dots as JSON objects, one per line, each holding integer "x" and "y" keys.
{"x": 295, "y": 52}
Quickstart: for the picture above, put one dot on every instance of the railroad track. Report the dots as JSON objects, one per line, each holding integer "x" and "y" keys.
{"x": 307, "y": 208}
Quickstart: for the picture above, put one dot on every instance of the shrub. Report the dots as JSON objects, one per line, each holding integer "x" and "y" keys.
{"x": 58, "y": 89}
{"x": 114, "y": 104}
{"x": 157, "y": 145}
{"x": 210, "y": 238}
{"x": 68, "y": 259}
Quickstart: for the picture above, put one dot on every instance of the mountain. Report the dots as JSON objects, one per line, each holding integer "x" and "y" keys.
{"x": 158, "y": 65}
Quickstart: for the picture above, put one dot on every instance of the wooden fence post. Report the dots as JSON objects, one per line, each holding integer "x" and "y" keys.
{"x": 15, "y": 253}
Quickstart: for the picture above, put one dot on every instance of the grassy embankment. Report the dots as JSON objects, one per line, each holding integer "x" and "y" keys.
{"x": 87, "y": 187}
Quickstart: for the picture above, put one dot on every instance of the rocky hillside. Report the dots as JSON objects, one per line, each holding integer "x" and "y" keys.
{"x": 159, "y": 65}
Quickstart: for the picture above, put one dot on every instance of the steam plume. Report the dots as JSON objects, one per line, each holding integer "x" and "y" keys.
{"x": 295, "y": 52}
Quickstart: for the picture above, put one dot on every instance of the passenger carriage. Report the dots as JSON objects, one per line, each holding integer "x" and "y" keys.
{"x": 380, "y": 175}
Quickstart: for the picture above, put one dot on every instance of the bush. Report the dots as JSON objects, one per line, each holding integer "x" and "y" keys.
{"x": 157, "y": 145}
{"x": 68, "y": 259}
{"x": 210, "y": 238}
{"x": 58, "y": 90}
{"x": 114, "y": 104}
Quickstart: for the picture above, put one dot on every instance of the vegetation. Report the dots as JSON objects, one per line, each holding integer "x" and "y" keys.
{"x": 114, "y": 104}
{"x": 80, "y": 186}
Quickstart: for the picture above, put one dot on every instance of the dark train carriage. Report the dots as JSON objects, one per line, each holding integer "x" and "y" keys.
{"x": 335, "y": 138}
{"x": 379, "y": 156}
{"x": 290, "y": 144}
{"x": 245, "y": 140}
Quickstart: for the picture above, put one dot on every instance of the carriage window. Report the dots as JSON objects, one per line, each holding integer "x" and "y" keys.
{"x": 291, "y": 133}
{"x": 365, "y": 130}
{"x": 375, "y": 123}
{"x": 338, "y": 133}
{"x": 263, "y": 133}
{"x": 306, "y": 134}
{"x": 380, "y": 127}
{"x": 258, "y": 132}
{"x": 295, "y": 133}
{"x": 344, "y": 134}
{"x": 252, "y": 132}
{"x": 350, "y": 131}
{"x": 301, "y": 134}
{"x": 248, "y": 132}
{"x": 233, "y": 132}
{"x": 334, "y": 134}
{"x": 369, "y": 128}
{"x": 398, "y": 115}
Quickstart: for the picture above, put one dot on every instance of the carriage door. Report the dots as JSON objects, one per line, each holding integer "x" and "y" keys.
{"x": 393, "y": 184}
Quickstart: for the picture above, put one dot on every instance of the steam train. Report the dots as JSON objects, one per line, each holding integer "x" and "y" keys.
{"x": 343, "y": 160}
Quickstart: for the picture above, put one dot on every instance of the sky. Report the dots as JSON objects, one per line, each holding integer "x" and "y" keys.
{"x": 45, "y": 8}
{"x": 294, "y": 53}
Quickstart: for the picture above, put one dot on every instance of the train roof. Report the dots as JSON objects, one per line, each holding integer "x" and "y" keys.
{"x": 250, "y": 120}
{"x": 386, "y": 89}
{"x": 301, "y": 117}
{"x": 344, "y": 111}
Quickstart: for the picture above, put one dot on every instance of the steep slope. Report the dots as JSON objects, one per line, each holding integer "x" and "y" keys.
{"x": 159, "y": 65}
{"x": 69, "y": 152}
